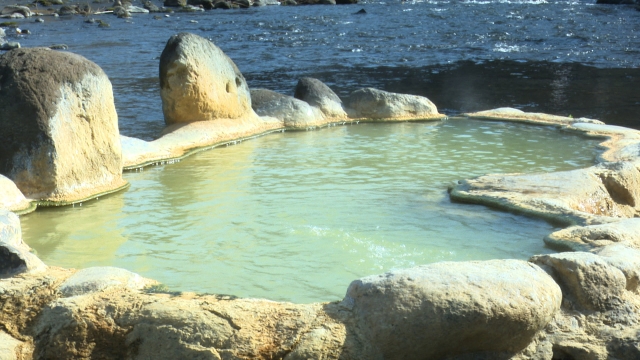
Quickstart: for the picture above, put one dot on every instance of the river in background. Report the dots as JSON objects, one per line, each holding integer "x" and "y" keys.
{"x": 562, "y": 57}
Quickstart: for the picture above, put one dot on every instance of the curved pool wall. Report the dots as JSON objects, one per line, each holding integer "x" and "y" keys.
{"x": 296, "y": 216}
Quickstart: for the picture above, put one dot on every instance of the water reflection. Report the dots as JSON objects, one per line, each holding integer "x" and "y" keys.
{"x": 82, "y": 235}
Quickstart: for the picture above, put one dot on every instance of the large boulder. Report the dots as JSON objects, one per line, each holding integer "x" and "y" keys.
{"x": 10, "y": 348}
{"x": 59, "y": 138}
{"x": 125, "y": 324}
{"x": 448, "y": 309}
{"x": 199, "y": 82}
{"x": 588, "y": 281}
{"x": 381, "y": 105}
{"x": 319, "y": 95}
{"x": 292, "y": 112}
{"x": 625, "y": 259}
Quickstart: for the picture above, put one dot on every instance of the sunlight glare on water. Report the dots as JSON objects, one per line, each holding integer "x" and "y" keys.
{"x": 297, "y": 216}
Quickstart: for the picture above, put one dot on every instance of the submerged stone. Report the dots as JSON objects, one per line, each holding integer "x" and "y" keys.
{"x": 625, "y": 259}
{"x": 102, "y": 278}
{"x": 584, "y": 238}
{"x": 10, "y": 348}
{"x": 511, "y": 114}
{"x": 585, "y": 196}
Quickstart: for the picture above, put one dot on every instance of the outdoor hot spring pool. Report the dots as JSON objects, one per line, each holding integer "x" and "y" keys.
{"x": 296, "y": 216}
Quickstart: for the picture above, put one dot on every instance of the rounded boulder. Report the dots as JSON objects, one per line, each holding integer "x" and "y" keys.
{"x": 59, "y": 138}
{"x": 294, "y": 113}
{"x": 317, "y": 94}
{"x": 454, "y": 308}
{"x": 198, "y": 82}
{"x": 382, "y": 105}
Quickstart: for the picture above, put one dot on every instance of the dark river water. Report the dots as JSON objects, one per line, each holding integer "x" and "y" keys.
{"x": 563, "y": 57}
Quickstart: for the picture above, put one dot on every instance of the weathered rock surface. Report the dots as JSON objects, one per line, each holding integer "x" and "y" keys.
{"x": 294, "y": 113}
{"x": 584, "y": 196}
{"x": 376, "y": 104}
{"x": 11, "y": 198}
{"x": 198, "y": 82}
{"x": 317, "y": 94}
{"x": 448, "y": 309}
{"x": 589, "y": 282}
{"x": 102, "y": 278}
{"x": 15, "y": 257}
{"x": 59, "y": 136}
{"x": 180, "y": 140}
{"x": 625, "y": 259}
{"x": 585, "y": 238}
{"x": 511, "y": 114}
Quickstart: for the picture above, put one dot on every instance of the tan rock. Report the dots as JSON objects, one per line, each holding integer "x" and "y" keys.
{"x": 10, "y": 348}
{"x": 625, "y": 259}
{"x": 449, "y": 309}
{"x": 593, "y": 195}
{"x": 374, "y": 104}
{"x": 511, "y": 114}
{"x": 198, "y": 82}
{"x": 587, "y": 280}
{"x": 22, "y": 298}
{"x": 59, "y": 137}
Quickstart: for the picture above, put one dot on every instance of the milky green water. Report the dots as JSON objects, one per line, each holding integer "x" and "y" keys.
{"x": 297, "y": 216}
